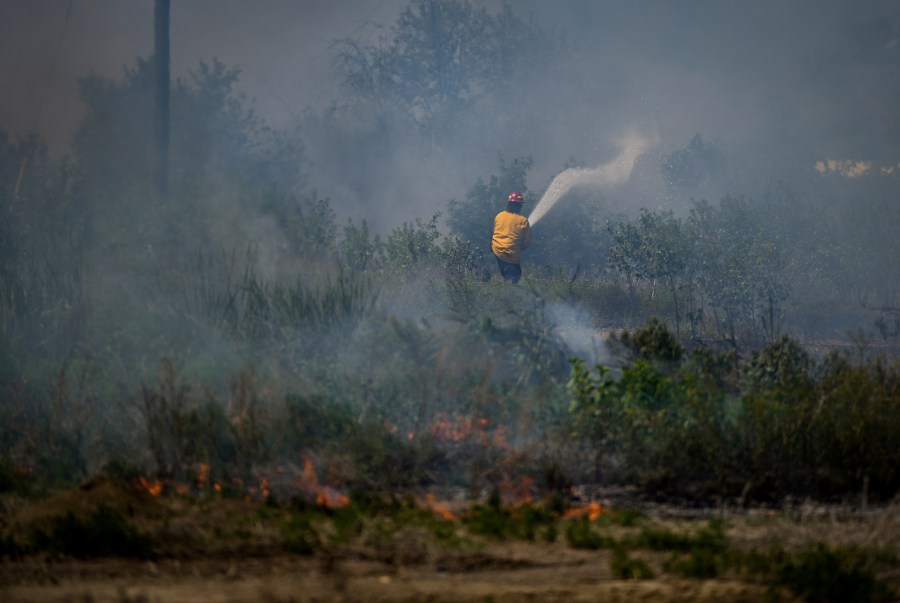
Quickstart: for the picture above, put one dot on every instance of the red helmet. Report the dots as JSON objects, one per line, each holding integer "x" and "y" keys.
{"x": 516, "y": 198}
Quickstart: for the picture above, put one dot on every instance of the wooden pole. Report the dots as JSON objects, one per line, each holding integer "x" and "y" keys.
{"x": 161, "y": 51}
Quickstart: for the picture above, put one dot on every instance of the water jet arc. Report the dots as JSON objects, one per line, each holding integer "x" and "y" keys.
{"x": 607, "y": 175}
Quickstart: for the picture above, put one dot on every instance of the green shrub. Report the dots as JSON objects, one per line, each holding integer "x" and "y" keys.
{"x": 525, "y": 521}
{"x": 580, "y": 534}
{"x": 653, "y": 342}
{"x": 663, "y": 540}
{"x": 298, "y": 535}
{"x": 627, "y": 517}
{"x": 703, "y": 555}
{"x": 105, "y": 533}
{"x": 184, "y": 430}
{"x": 820, "y": 573}
{"x": 701, "y": 563}
{"x": 774, "y": 425}
{"x": 627, "y": 568}
{"x": 384, "y": 461}
{"x": 461, "y": 258}
{"x": 356, "y": 250}
{"x": 314, "y": 421}
{"x": 410, "y": 246}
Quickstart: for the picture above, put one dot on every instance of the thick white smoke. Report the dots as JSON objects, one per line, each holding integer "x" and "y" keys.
{"x": 608, "y": 175}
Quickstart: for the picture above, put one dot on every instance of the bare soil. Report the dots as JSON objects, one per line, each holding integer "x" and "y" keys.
{"x": 516, "y": 572}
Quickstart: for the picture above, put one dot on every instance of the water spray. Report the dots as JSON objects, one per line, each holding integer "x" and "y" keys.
{"x": 608, "y": 175}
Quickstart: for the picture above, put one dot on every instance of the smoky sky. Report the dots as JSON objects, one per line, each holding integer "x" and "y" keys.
{"x": 790, "y": 82}
{"x": 282, "y": 48}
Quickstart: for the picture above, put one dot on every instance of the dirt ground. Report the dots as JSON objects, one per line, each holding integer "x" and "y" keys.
{"x": 508, "y": 573}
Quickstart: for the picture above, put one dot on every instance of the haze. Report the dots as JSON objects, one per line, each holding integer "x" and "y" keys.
{"x": 790, "y": 83}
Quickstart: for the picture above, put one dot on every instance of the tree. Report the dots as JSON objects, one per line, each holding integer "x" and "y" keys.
{"x": 738, "y": 266}
{"x": 723, "y": 257}
{"x": 443, "y": 56}
{"x": 219, "y": 150}
{"x": 654, "y": 249}
{"x": 684, "y": 170}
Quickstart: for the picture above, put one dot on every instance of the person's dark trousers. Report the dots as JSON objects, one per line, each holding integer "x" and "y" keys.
{"x": 511, "y": 273}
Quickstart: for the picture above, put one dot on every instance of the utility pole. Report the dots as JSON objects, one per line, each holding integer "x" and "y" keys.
{"x": 161, "y": 53}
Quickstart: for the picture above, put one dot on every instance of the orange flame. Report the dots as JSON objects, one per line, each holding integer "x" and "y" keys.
{"x": 154, "y": 487}
{"x": 517, "y": 491}
{"x": 202, "y": 474}
{"x": 440, "y": 508}
{"x": 325, "y": 496}
{"x": 591, "y": 510}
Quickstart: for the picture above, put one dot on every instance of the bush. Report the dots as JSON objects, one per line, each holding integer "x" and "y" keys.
{"x": 580, "y": 534}
{"x": 819, "y": 573}
{"x": 410, "y": 246}
{"x": 653, "y": 342}
{"x": 709, "y": 425}
{"x": 627, "y": 568}
{"x": 495, "y": 521}
{"x": 299, "y": 536}
{"x": 105, "y": 533}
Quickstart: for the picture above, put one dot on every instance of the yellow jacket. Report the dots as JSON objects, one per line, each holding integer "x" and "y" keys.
{"x": 512, "y": 234}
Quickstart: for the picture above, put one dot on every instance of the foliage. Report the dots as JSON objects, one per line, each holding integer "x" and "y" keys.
{"x": 821, "y": 573}
{"x": 654, "y": 249}
{"x": 653, "y": 342}
{"x": 628, "y": 568}
{"x": 368, "y": 346}
{"x": 299, "y": 535}
{"x": 182, "y": 431}
{"x": 495, "y": 521}
{"x": 387, "y": 461}
{"x": 721, "y": 260}
{"x": 308, "y": 224}
{"x": 43, "y": 242}
{"x": 581, "y": 535}
{"x": 462, "y": 258}
{"x": 262, "y": 310}
{"x": 685, "y": 170}
{"x": 105, "y": 532}
{"x": 46, "y": 433}
{"x": 704, "y": 555}
{"x": 313, "y": 421}
{"x": 410, "y": 246}
{"x": 441, "y": 58}
{"x": 741, "y": 267}
{"x": 213, "y": 132}
{"x": 653, "y": 423}
{"x": 673, "y": 428}
{"x": 356, "y": 250}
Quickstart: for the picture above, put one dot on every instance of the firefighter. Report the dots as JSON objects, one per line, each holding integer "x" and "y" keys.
{"x": 512, "y": 234}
